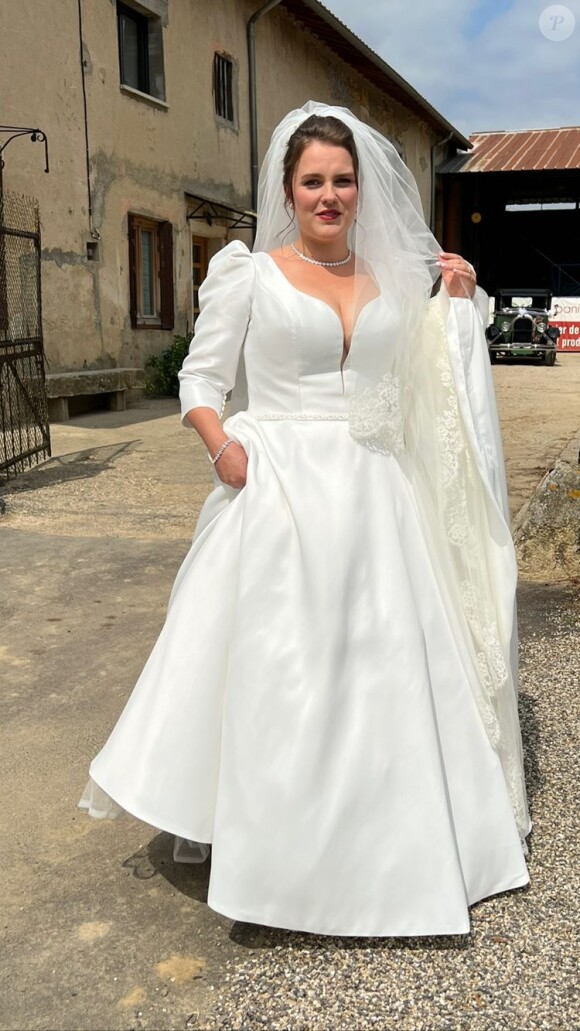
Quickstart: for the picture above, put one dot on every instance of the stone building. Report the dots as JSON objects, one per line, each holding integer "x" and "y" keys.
{"x": 146, "y": 107}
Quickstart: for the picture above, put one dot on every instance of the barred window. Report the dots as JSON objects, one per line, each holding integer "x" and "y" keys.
{"x": 223, "y": 87}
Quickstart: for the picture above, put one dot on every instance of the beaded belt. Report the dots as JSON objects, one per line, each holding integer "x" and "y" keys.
{"x": 300, "y": 416}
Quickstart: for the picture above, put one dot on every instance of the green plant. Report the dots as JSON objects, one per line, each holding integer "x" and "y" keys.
{"x": 161, "y": 369}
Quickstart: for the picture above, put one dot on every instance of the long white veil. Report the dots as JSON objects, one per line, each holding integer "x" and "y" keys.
{"x": 418, "y": 408}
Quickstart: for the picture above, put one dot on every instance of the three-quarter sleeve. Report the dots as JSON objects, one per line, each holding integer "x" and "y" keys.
{"x": 225, "y": 300}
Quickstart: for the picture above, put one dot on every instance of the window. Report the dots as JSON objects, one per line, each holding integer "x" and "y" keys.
{"x": 223, "y": 87}
{"x": 198, "y": 270}
{"x": 141, "y": 49}
{"x": 150, "y": 273}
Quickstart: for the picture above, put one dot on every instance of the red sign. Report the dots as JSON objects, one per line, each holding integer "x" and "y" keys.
{"x": 565, "y": 314}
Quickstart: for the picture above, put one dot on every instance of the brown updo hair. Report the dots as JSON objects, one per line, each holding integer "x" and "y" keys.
{"x": 325, "y": 129}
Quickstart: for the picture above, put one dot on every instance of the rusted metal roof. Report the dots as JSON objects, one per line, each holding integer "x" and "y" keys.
{"x": 524, "y": 151}
{"x": 319, "y": 21}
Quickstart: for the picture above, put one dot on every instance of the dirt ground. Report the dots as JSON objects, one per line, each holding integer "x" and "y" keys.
{"x": 162, "y": 474}
{"x": 101, "y": 930}
{"x": 539, "y": 411}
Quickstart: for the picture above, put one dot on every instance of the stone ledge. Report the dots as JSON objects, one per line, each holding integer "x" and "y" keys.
{"x": 115, "y": 384}
{"x": 547, "y": 530}
{"x": 93, "y": 381}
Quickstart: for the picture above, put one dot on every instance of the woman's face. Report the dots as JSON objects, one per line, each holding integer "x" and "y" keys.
{"x": 324, "y": 192}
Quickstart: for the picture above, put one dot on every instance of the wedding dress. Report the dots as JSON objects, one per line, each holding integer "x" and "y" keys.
{"x": 307, "y": 709}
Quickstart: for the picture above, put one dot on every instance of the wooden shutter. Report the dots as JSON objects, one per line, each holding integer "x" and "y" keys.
{"x": 198, "y": 270}
{"x": 132, "y": 270}
{"x": 166, "y": 274}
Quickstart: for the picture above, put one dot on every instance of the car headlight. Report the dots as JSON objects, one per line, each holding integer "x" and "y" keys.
{"x": 505, "y": 326}
{"x": 541, "y": 326}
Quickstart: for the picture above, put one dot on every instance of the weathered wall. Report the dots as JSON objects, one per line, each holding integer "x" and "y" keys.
{"x": 145, "y": 156}
{"x": 40, "y": 85}
{"x": 305, "y": 69}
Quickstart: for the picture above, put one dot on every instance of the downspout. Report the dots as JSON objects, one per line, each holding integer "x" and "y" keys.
{"x": 433, "y": 149}
{"x": 94, "y": 232}
{"x": 251, "y": 35}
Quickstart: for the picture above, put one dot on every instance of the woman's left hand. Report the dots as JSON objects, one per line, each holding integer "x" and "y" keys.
{"x": 458, "y": 275}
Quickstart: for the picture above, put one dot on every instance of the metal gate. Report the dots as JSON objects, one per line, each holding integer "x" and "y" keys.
{"x": 24, "y": 429}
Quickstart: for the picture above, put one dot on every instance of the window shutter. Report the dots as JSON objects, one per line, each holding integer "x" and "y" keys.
{"x": 132, "y": 270}
{"x": 166, "y": 274}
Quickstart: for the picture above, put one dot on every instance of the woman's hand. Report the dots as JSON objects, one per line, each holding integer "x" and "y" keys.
{"x": 232, "y": 466}
{"x": 458, "y": 275}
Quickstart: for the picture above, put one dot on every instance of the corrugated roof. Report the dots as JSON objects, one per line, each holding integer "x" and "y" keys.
{"x": 524, "y": 151}
{"x": 318, "y": 20}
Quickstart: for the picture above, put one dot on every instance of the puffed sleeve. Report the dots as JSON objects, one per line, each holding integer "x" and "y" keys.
{"x": 225, "y": 300}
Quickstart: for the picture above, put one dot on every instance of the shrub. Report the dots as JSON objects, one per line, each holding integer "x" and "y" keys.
{"x": 161, "y": 369}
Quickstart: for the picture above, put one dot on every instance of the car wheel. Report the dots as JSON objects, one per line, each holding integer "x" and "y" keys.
{"x": 550, "y": 357}
{"x": 492, "y": 357}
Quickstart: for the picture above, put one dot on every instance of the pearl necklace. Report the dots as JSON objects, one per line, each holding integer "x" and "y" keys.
{"x": 325, "y": 264}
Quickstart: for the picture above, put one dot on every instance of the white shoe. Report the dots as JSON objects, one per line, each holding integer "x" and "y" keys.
{"x": 185, "y": 851}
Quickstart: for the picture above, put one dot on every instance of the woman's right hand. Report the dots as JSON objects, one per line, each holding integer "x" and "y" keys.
{"x": 232, "y": 466}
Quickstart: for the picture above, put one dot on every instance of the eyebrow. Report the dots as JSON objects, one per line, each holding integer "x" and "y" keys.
{"x": 319, "y": 175}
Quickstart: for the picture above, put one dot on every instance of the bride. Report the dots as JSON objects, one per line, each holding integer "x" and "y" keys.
{"x": 332, "y": 702}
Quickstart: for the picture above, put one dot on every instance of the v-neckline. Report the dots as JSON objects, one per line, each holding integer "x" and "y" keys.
{"x": 345, "y": 350}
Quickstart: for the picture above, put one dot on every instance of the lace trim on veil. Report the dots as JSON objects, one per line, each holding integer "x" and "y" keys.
{"x": 397, "y": 417}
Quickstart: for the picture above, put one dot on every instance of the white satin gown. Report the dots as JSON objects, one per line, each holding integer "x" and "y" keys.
{"x": 305, "y": 709}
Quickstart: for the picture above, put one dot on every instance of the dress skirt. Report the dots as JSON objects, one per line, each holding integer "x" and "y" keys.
{"x": 306, "y": 709}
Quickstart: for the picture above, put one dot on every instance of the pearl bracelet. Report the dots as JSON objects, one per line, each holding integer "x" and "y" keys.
{"x": 219, "y": 453}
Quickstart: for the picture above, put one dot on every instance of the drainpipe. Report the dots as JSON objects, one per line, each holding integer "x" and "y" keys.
{"x": 251, "y": 33}
{"x": 94, "y": 232}
{"x": 433, "y": 149}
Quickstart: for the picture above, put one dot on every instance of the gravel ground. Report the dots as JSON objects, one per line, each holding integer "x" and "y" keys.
{"x": 104, "y": 930}
{"x": 518, "y": 968}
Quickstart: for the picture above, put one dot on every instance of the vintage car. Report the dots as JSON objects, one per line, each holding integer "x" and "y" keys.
{"x": 521, "y": 326}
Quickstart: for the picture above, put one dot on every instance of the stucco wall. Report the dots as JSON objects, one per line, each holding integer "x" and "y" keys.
{"x": 145, "y": 157}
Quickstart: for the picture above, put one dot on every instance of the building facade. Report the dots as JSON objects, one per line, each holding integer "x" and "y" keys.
{"x": 147, "y": 113}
